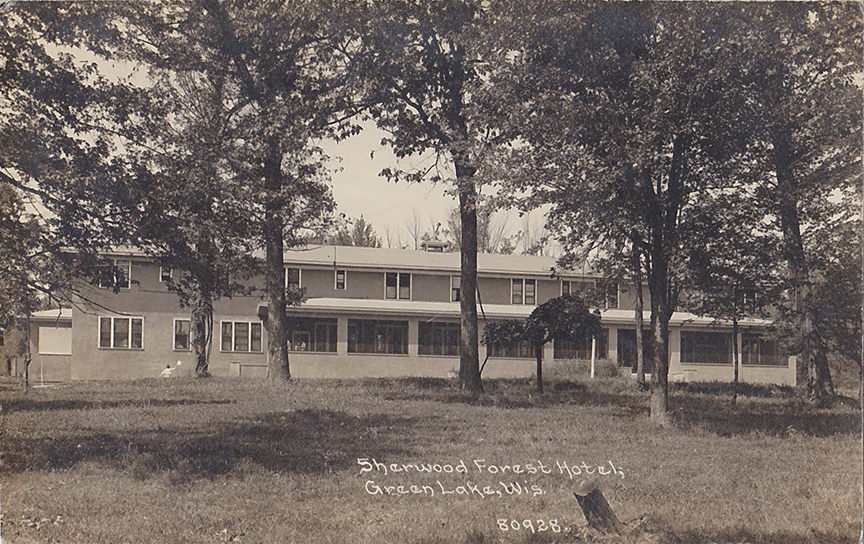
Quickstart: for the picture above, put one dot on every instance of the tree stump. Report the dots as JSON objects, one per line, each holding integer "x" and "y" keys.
{"x": 596, "y": 510}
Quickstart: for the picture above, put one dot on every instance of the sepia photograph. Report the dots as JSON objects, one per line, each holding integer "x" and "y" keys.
{"x": 431, "y": 272}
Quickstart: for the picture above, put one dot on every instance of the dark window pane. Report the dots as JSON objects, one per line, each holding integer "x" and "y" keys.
{"x": 227, "y": 334}
{"x": 182, "y": 329}
{"x": 241, "y": 336}
{"x": 137, "y": 333}
{"x": 530, "y": 295}
{"x": 105, "y": 332}
{"x": 516, "y": 291}
{"x": 255, "y": 336}
{"x": 121, "y": 332}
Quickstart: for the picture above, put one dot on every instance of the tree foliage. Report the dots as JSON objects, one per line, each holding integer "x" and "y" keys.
{"x": 623, "y": 138}
{"x": 256, "y": 86}
{"x": 426, "y": 66}
{"x": 567, "y": 317}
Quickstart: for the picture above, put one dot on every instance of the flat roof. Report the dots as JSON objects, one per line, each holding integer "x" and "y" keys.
{"x": 450, "y": 310}
{"x": 63, "y": 315}
{"x": 408, "y": 259}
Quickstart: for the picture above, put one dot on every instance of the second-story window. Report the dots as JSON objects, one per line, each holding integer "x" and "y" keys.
{"x": 523, "y": 291}
{"x": 165, "y": 274}
{"x": 397, "y": 285}
{"x": 455, "y": 291}
{"x": 612, "y": 296}
{"x": 118, "y": 276}
{"x": 292, "y": 278}
{"x": 341, "y": 280}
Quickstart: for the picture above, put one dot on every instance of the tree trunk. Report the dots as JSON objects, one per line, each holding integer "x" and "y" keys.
{"x": 274, "y": 273}
{"x": 820, "y": 387}
{"x": 660, "y": 315}
{"x": 640, "y": 305}
{"x": 538, "y": 353}
{"x": 469, "y": 359}
{"x": 735, "y": 356}
{"x": 28, "y": 353}
{"x": 202, "y": 331}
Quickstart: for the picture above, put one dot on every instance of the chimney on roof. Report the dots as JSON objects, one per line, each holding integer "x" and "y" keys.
{"x": 434, "y": 246}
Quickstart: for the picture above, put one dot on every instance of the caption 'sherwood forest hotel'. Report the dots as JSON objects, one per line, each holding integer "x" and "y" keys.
{"x": 371, "y": 313}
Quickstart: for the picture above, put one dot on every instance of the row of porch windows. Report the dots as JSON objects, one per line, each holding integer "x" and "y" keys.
{"x": 441, "y": 338}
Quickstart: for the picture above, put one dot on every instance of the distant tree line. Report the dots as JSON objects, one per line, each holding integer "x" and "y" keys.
{"x": 712, "y": 149}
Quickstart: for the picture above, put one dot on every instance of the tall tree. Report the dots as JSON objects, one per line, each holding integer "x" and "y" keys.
{"x": 806, "y": 117}
{"x": 192, "y": 208}
{"x": 626, "y": 113}
{"x": 284, "y": 75}
{"x": 426, "y": 63}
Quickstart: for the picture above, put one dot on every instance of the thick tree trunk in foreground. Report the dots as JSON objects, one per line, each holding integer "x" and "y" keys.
{"x": 202, "y": 332}
{"x": 274, "y": 273}
{"x": 469, "y": 359}
{"x": 820, "y": 387}
{"x": 640, "y": 305}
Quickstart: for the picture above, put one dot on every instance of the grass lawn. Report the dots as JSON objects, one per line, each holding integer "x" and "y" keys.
{"x": 222, "y": 460}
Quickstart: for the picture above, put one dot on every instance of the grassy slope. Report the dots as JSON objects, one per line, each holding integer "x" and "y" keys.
{"x": 223, "y": 460}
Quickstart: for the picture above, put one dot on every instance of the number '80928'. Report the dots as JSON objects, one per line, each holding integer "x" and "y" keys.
{"x": 535, "y": 526}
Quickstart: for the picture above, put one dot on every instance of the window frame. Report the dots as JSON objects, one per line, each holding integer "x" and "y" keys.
{"x": 399, "y": 285}
{"x": 455, "y": 291}
{"x": 309, "y": 327}
{"x": 189, "y": 338}
{"x": 365, "y": 329}
{"x": 687, "y": 349}
{"x": 563, "y": 347}
{"x": 127, "y": 273}
{"x": 288, "y": 277}
{"x": 778, "y": 356}
{"x": 610, "y": 290}
{"x": 344, "y": 273}
{"x": 428, "y": 330}
{"x": 130, "y": 336}
{"x": 523, "y": 291}
{"x": 162, "y": 270}
{"x": 249, "y": 337}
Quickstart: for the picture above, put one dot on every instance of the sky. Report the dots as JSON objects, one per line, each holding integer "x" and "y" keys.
{"x": 394, "y": 207}
{"x": 389, "y": 206}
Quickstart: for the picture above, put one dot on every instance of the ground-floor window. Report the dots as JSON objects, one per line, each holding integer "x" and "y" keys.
{"x": 706, "y": 347}
{"x": 439, "y": 338}
{"x": 375, "y": 336}
{"x": 566, "y": 348}
{"x": 627, "y": 349}
{"x": 522, "y": 350}
{"x": 761, "y": 351}
{"x": 55, "y": 340}
{"x": 121, "y": 332}
{"x": 313, "y": 334}
{"x": 241, "y": 336}
{"x": 182, "y": 335}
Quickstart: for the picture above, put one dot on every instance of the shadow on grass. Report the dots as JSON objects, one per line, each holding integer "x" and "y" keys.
{"x": 32, "y": 405}
{"x": 518, "y": 393}
{"x": 762, "y": 409}
{"x": 785, "y": 419}
{"x": 304, "y": 441}
{"x": 783, "y": 537}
